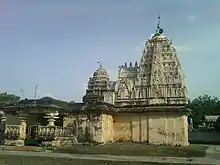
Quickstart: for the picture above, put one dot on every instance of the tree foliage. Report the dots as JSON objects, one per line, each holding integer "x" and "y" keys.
{"x": 204, "y": 105}
{"x": 7, "y": 98}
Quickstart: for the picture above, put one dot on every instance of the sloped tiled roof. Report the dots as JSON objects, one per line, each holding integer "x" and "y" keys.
{"x": 59, "y": 104}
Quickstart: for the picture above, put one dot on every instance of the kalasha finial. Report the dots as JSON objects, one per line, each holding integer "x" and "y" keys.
{"x": 159, "y": 30}
{"x": 100, "y": 64}
{"x": 158, "y": 22}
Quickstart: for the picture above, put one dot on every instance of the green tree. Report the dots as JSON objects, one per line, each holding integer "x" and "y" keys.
{"x": 203, "y": 105}
{"x": 7, "y": 98}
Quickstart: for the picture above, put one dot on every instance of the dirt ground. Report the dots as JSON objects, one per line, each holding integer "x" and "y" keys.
{"x": 25, "y": 160}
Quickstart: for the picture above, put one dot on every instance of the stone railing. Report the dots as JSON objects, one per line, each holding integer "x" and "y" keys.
{"x": 52, "y": 132}
{"x": 12, "y": 132}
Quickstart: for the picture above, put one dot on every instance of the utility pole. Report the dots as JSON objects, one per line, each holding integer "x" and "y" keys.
{"x": 22, "y": 93}
{"x": 35, "y": 92}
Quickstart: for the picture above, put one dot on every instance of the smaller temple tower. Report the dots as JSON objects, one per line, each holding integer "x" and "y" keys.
{"x": 100, "y": 89}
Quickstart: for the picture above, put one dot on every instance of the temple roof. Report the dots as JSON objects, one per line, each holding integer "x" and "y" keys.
{"x": 43, "y": 102}
{"x": 63, "y": 106}
{"x": 96, "y": 107}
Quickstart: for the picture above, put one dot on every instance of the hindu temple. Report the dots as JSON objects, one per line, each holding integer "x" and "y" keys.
{"x": 147, "y": 103}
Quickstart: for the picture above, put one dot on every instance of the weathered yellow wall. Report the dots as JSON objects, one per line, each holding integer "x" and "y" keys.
{"x": 88, "y": 127}
{"x": 155, "y": 128}
{"x": 168, "y": 128}
{"x": 107, "y": 128}
{"x": 130, "y": 127}
{"x": 163, "y": 128}
{"x": 122, "y": 127}
{"x": 95, "y": 125}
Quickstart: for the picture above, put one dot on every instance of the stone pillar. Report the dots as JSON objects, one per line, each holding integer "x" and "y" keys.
{"x": 51, "y": 122}
{"x": 23, "y": 128}
{"x": 51, "y": 118}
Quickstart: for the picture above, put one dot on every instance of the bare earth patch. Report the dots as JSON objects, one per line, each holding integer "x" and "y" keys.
{"x": 135, "y": 149}
{"x": 21, "y": 148}
{"x": 27, "y": 160}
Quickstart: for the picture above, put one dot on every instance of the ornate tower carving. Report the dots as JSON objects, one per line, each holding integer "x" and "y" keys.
{"x": 161, "y": 68}
{"x": 100, "y": 89}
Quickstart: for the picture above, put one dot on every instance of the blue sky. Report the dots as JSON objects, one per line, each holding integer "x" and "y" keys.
{"x": 57, "y": 44}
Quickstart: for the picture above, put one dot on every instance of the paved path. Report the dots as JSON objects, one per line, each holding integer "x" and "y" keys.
{"x": 207, "y": 160}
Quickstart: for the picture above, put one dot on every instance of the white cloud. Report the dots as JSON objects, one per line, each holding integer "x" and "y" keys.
{"x": 191, "y": 18}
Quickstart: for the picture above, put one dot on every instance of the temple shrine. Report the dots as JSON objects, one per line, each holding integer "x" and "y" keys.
{"x": 147, "y": 103}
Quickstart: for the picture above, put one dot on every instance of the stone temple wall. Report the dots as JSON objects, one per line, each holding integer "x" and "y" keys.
{"x": 107, "y": 128}
{"x": 92, "y": 127}
{"x": 150, "y": 127}
{"x": 154, "y": 128}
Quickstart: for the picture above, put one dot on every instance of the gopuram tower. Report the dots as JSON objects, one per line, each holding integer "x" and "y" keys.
{"x": 158, "y": 80}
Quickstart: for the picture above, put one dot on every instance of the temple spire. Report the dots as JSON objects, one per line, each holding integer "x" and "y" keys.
{"x": 159, "y": 30}
{"x": 158, "y": 23}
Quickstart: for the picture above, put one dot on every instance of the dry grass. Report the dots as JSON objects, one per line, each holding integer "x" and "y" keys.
{"x": 135, "y": 149}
